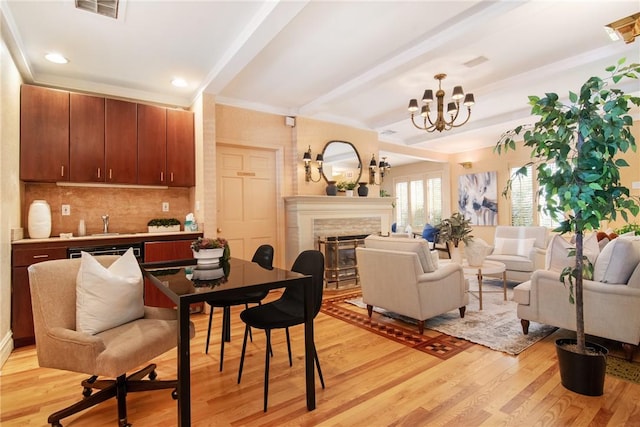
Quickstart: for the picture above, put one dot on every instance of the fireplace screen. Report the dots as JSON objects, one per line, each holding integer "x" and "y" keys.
{"x": 340, "y": 260}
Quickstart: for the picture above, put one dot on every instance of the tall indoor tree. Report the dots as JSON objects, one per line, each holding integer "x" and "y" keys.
{"x": 583, "y": 139}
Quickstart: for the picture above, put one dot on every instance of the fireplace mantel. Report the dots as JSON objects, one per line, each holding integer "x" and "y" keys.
{"x": 310, "y": 217}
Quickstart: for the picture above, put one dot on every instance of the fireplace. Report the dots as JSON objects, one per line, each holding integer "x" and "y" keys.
{"x": 310, "y": 218}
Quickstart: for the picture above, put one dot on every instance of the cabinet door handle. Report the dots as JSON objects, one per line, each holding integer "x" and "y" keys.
{"x": 171, "y": 176}
{"x": 62, "y": 170}
{"x": 110, "y": 173}
{"x": 40, "y": 256}
{"x": 161, "y": 176}
{"x": 98, "y": 172}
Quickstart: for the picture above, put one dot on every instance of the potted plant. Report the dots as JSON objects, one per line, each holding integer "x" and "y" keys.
{"x": 163, "y": 225}
{"x": 454, "y": 230}
{"x": 347, "y": 187}
{"x": 583, "y": 138}
{"x": 209, "y": 251}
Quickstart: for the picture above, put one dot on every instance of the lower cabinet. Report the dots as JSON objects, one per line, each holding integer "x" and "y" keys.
{"x": 21, "y": 314}
{"x": 163, "y": 251}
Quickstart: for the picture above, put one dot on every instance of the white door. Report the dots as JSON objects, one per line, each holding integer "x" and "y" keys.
{"x": 246, "y": 200}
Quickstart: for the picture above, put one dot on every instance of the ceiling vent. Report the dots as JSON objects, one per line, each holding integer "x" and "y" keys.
{"x": 101, "y": 7}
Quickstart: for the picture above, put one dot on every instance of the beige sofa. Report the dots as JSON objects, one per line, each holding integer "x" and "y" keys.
{"x": 611, "y": 300}
{"x": 402, "y": 275}
{"x": 521, "y": 249}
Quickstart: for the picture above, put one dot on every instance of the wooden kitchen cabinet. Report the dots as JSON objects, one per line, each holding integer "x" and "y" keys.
{"x": 44, "y": 134}
{"x": 163, "y": 251}
{"x": 152, "y": 145}
{"x": 86, "y": 138}
{"x": 121, "y": 142}
{"x": 180, "y": 149}
{"x": 21, "y": 313}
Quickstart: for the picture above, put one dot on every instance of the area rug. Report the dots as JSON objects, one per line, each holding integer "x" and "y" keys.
{"x": 441, "y": 346}
{"x": 496, "y": 326}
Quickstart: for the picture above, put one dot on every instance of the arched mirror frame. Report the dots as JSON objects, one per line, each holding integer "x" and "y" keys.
{"x": 355, "y": 151}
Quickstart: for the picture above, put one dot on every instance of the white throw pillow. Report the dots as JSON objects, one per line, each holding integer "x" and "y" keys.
{"x": 520, "y": 247}
{"x": 430, "y": 259}
{"x": 557, "y": 256}
{"x": 618, "y": 259}
{"x": 108, "y": 297}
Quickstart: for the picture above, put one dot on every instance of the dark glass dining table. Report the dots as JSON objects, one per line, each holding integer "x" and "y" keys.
{"x": 185, "y": 282}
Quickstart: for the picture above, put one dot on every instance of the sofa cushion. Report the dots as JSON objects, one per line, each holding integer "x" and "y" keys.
{"x": 557, "y": 256}
{"x": 108, "y": 297}
{"x": 418, "y": 246}
{"x": 618, "y": 259}
{"x": 634, "y": 280}
{"x": 519, "y": 247}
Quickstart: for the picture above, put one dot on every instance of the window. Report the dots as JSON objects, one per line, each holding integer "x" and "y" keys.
{"x": 522, "y": 197}
{"x": 524, "y": 201}
{"x": 543, "y": 217}
{"x": 418, "y": 201}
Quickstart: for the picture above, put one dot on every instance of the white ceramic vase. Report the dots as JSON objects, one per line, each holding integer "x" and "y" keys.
{"x": 456, "y": 254}
{"x": 39, "y": 220}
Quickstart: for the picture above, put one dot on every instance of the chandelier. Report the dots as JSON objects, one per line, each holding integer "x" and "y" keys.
{"x": 453, "y": 108}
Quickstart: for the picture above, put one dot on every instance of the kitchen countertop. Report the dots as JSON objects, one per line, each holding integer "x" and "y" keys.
{"x": 111, "y": 238}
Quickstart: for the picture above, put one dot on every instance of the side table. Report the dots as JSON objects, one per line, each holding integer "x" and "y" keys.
{"x": 488, "y": 268}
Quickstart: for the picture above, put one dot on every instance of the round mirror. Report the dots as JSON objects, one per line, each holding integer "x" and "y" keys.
{"x": 341, "y": 162}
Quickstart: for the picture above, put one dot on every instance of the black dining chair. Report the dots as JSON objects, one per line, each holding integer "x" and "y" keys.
{"x": 287, "y": 311}
{"x": 263, "y": 256}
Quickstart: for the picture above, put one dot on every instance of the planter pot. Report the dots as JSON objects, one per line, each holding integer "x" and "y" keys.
{"x": 582, "y": 373}
{"x": 163, "y": 228}
{"x": 210, "y": 257}
{"x": 456, "y": 254}
{"x": 349, "y": 193}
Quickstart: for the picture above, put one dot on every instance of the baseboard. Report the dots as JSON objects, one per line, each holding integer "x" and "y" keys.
{"x": 6, "y": 347}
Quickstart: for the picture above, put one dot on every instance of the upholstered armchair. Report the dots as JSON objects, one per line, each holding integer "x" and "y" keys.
{"x": 611, "y": 299}
{"x": 403, "y": 275}
{"x": 521, "y": 249}
{"x": 77, "y": 344}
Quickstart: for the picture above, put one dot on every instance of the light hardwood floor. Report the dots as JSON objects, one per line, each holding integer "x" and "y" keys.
{"x": 371, "y": 381}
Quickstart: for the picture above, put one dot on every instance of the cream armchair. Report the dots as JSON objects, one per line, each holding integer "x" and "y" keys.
{"x": 521, "y": 249}
{"x": 611, "y": 300}
{"x": 402, "y": 275}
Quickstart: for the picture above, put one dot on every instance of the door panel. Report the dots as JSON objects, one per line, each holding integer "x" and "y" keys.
{"x": 246, "y": 198}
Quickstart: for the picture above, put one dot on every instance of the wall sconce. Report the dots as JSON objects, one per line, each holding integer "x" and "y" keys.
{"x": 466, "y": 165}
{"x": 383, "y": 166}
{"x": 307, "y": 166}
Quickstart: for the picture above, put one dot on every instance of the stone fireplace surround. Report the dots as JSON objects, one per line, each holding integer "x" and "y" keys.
{"x": 310, "y": 217}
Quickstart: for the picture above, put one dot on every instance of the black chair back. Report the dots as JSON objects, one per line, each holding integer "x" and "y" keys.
{"x": 264, "y": 256}
{"x": 309, "y": 262}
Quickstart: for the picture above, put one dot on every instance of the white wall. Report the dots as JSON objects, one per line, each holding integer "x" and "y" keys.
{"x": 10, "y": 82}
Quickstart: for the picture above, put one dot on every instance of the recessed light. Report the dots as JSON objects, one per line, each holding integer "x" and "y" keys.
{"x": 178, "y": 82}
{"x": 56, "y": 58}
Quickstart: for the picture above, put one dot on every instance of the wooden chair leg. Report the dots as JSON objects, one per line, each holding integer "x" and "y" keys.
{"x": 462, "y": 310}
{"x": 525, "y": 326}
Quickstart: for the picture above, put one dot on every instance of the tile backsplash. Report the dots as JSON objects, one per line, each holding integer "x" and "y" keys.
{"x": 129, "y": 209}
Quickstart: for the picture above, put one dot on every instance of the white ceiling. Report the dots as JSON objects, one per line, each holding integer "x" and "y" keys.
{"x": 350, "y": 62}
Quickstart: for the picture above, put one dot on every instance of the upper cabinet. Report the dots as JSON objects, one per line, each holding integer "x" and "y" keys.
{"x": 44, "y": 134}
{"x": 180, "y": 149}
{"x": 121, "y": 142}
{"x": 83, "y": 138}
{"x": 152, "y": 145}
{"x": 86, "y": 138}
